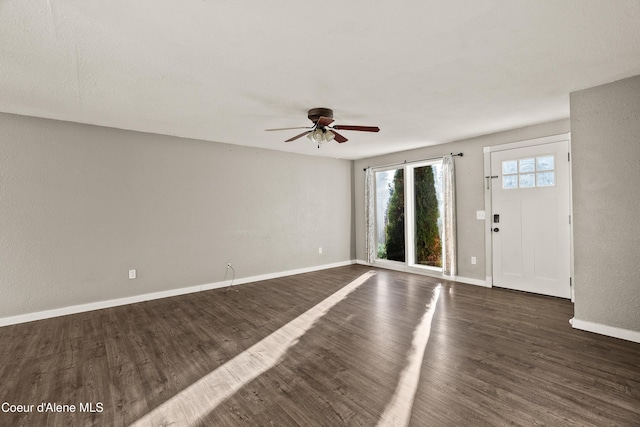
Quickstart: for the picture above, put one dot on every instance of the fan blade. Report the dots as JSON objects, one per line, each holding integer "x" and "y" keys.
{"x": 339, "y": 137}
{"x": 360, "y": 128}
{"x": 324, "y": 121}
{"x": 297, "y": 136}
{"x": 299, "y": 127}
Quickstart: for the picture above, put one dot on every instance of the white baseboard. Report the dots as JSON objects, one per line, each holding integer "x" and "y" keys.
{"x": 397, "y": 266}
{"x": 269, "y": 276}
{"x": 47, "y": 314}
{"x": 404, "y": 268}
{"x": 611, "y": 331}
{"x": 470, "y": 281}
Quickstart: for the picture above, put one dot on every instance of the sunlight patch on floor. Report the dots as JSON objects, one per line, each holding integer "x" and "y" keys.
{"x": 398, "y": 411}
{"x": 203, "y": 396}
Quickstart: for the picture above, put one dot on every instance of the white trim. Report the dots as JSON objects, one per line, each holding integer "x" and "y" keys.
{"x": 488, "y": 214}
{"x": 612, "y": 331}
{"x": 99, "y": 305}
{"x": 470, "y": 281}
{"x": 527, "y": 143}
{"x": 276, "y": 275}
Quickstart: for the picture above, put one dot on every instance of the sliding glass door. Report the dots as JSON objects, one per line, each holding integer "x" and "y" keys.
{"x": 409, "y": 208}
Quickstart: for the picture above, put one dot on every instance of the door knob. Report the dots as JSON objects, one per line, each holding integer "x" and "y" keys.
{"x": 496, "y": 229}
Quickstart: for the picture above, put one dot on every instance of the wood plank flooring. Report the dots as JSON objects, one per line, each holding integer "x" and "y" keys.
{"x": 494, "y": 357}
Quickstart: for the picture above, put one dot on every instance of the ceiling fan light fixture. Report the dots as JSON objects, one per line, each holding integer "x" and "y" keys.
{"x": 315, "y": 136}
{"x": 321, "y": 136}
{"x": 328, "y": 136}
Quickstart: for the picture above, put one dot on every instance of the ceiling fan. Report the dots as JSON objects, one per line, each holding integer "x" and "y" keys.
{"x": 321, "y": 132}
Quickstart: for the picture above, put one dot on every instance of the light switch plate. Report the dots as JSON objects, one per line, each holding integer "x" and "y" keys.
{"x": 479, "y": 214}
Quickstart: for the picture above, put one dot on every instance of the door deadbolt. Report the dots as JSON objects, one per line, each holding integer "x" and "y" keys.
{"x": 496, "y": 229}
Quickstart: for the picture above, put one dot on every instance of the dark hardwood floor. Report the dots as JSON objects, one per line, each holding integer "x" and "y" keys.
{"x": 494, "y": 357}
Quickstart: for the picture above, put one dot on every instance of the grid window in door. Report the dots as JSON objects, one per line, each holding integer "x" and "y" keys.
{"x": 529, "y": 172}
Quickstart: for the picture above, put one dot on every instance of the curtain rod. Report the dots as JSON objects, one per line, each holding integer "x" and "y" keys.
{"x": 414, "y": 161}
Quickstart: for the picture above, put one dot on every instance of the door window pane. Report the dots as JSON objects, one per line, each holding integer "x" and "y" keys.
{"x": 510, "y": 166}
{"x": 510, "y": 181}
{"x": 544, "y": 163}
{"x": 527, "y": 180}
{"x": 527, "y": 165}
{"x": 546, "y": 179}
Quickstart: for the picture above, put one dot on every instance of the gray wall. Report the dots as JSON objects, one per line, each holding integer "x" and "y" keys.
{"x": 469, "y": 188}
{"x": 605, "y": 125}
{"x": 80, "y": 205}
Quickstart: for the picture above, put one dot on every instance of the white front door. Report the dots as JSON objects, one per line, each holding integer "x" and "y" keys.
{"x": 530, "y": 223}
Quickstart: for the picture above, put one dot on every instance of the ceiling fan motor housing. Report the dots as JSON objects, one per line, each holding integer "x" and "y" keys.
{"x": 315, "y": 113}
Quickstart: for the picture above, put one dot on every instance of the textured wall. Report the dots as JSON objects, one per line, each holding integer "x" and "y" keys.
{"x": 605, "y": 126}
{"x": 469, "y": 188}
{"x": 80, "y": 205}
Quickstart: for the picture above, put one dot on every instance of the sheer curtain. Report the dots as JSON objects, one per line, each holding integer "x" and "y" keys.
{"x": 369, "y": 212}
{"x": 449, "y": 266}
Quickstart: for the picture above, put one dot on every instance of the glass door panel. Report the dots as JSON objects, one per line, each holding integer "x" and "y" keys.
{"x": 428, "y": 213}
{"x": 390, "y": 214}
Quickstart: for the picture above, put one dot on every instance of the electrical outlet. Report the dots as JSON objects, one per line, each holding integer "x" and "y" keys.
{"x": 132, "y": 274}
{"x": 473, "y": 260}
{"x": 320, "y": 250}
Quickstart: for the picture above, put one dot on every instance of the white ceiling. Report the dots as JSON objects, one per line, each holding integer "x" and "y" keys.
{"x": 425, "y": 71}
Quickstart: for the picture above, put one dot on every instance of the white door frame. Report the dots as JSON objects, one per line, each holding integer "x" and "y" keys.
{"x": 487, "y": 199}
